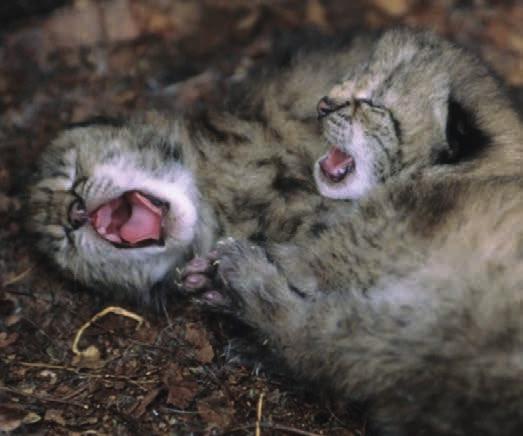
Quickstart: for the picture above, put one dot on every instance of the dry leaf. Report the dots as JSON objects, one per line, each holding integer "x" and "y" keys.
{"x": 7, "y": 339}
{"x": 197, "y": 337}
{"x": 393, "y": 7}
{"x": 247, "y": 23}
{"x": 55, "y": 416}
{"x": 31, "y": 418}
{"x": 140, "y": 407}
{"x": 315, "y": 14}
{"x": 88, "y": 358}
{"x": 214, "y": 410}
{"x": 11, "y": 416}
{"x": 180, "y": 391}
{"x": 118, "y": 21}
{"x": 74, "y": 26}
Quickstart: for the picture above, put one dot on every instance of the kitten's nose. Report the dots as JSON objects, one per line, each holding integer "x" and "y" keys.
{"x": 325, "y": 107}
{"x": 328, "y": 105}
{"x": 78, "y": 215}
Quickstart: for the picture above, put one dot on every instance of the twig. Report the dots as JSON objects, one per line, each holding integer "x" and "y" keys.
{"x": 18, "y": 277}
{"x": 271, "y": 426}
{"x": 111, "y": 309}
{"x": 75, "y": 393}
{"x": 179, "y": 411}
{"x": 259, "y": 409}
{"x": 138, "y": 382}
{"x": 47, "y": 366}
{"x": 43, "y": 399}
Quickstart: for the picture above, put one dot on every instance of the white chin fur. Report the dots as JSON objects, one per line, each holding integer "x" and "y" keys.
{"x": 353, "y": 187}
{"x": 361, "y": 180}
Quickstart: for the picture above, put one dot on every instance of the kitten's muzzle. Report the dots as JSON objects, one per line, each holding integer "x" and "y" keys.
{"x": 77, "y": 214}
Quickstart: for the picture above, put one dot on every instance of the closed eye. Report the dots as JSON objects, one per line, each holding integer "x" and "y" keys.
{"x": 366, "y": 101}
{"x": 75, "y": 186}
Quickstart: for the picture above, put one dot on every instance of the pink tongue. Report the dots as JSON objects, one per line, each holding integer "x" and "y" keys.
{"x": 131, "y": 219}
{"x": 145, "y": 222}
{"x": 336, "y": 164}
{"x": 336, "y": 160}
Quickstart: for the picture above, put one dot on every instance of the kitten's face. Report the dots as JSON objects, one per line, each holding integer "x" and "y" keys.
{"x": 115, "y": 205}
{"x": 381, "y": 119}
{"x": 364, "y": 148}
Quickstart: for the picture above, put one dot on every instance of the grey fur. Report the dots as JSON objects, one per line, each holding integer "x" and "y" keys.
{"x": 244, "y": 169}
{"x": 410, "y": 299}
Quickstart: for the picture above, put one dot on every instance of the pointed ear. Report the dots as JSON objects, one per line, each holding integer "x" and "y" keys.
{"x": 463, "y": 133}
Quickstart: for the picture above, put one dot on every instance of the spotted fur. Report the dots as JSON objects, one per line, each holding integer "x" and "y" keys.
{"x": 409, "y": 299}
{"x": 242, "y": 168}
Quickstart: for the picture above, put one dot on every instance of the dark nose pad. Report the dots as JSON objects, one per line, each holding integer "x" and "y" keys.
{"x": 78, "y": 215}
{"x": 325, "y": 107}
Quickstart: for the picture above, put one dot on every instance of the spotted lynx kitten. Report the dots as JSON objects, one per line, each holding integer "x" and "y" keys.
{"x": 409, "y": 298}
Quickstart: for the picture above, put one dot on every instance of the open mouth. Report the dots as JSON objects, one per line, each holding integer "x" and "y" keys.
{"x": 337, "y": 165}
{"x": 133, "y": 220}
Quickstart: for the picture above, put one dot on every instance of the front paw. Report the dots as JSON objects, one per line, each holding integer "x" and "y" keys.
{"x": 238, "y": 278}
{"x": 200, "y": 282}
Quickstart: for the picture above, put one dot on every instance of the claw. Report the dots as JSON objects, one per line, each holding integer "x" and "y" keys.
{"x": 222, "y": 242}
{"x": 215, "y": 298}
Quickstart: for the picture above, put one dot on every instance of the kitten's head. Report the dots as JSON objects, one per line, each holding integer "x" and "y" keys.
{"x": 116, "y": 205}
{"x": 416, "y": 102}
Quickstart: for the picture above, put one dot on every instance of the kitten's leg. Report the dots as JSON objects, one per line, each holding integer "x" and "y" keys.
{"x": 241, "y": 279}
{"x": 423, "y": 357}
{"x": 200, "y": 273}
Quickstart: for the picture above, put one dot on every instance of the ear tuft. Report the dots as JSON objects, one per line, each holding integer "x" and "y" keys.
{"x": 465, "y": 139}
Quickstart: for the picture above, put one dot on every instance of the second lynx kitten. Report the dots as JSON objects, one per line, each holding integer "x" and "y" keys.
{"x": 411, "y": 298}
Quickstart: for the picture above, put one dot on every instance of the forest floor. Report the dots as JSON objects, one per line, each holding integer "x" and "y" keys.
{"x": 175, "y": 374}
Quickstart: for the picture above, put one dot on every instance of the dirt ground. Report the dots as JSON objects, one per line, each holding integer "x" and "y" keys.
{"x": 64, "y": 61}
